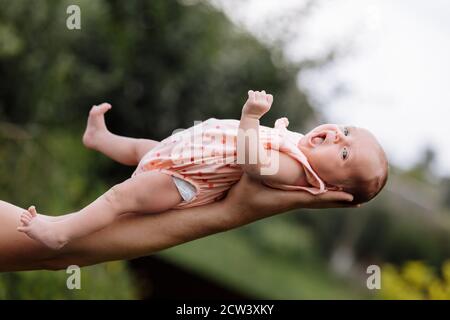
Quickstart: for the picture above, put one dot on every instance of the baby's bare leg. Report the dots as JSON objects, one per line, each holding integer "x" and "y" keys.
{"x": 124, "y": 150}
{"x": 149, "y": 192}
{"x": 51, "y": 218}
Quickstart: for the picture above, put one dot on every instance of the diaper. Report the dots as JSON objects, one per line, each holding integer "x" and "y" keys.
{"x": 186, "y": 190}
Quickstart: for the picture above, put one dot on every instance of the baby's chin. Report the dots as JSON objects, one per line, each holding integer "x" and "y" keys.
{"x": 303, "y": 143}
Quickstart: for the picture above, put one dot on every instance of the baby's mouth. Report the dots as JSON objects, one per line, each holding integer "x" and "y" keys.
{"x": 317, "y": 139}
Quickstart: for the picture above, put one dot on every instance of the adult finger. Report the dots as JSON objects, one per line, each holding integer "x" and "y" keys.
{"x": 330, "y": 199}
{"x": 332, "y": 196}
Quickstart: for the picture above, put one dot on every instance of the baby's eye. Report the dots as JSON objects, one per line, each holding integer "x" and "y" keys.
{"x": 344, "y": 153}
{"x": 346, "y": 131}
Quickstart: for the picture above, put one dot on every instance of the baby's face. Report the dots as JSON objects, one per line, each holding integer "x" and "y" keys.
{"x": 340, "y": 154}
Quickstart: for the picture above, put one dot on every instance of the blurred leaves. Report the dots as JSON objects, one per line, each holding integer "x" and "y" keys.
{"x": 416, "y": 280}
{"x": 10, "y": 43}
{"x": 106, "y": 281}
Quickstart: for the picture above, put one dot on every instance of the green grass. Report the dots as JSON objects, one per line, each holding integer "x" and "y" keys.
{"x": 232, "y": 260}
{"x": 110, "y": 280}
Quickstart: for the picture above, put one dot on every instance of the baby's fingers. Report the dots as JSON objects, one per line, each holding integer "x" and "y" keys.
{"x": 251, "y": 95}
{"x": 269, "y": 98}
{"x": 263, "y": 96}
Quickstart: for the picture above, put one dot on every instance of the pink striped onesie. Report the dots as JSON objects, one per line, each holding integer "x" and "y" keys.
{"x": 205, "y": 156}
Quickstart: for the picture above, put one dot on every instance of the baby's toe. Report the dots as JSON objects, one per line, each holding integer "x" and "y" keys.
{"x": 25, "y": 220}
{"x": 23, "y": 229}
{"x": 32, "y": 211}
{"x": 27, "y": 214}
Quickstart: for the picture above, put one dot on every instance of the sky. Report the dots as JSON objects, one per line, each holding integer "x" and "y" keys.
{"x": 392, "y": 72}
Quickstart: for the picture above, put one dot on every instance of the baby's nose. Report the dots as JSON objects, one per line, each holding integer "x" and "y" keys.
{"x": 338, "y": 135}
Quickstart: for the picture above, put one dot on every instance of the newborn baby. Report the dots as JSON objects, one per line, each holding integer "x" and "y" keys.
{"x": 197, "y": 166}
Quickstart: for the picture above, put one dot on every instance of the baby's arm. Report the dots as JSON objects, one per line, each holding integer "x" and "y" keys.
{"x": 271, "y": 165}
{"x": 251, "y": 154}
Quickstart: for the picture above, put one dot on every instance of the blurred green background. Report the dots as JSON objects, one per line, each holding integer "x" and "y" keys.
{"x": 162, "y": 65}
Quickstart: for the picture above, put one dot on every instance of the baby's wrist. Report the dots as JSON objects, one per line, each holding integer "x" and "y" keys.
{"x": 251, "y": 116}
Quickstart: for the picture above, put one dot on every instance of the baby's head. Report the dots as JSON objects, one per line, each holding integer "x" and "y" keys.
{"x": 347, "y": 158}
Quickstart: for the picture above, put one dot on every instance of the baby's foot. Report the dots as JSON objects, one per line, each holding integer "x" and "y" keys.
{"x": 40, "y": 229}
{"x": 95, "y": 125}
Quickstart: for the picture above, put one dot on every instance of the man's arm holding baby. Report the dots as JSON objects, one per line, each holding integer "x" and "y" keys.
{"x": 256, "y": 161}
{"x": 133, "y": 235}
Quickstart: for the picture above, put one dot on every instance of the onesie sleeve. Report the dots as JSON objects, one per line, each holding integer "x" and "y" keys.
{"x": 289, "y": 146}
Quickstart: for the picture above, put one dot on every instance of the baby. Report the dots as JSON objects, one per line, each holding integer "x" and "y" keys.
{"x": 197, "y": 166}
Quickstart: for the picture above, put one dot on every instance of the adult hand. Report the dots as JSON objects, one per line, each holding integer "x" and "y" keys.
{"x": 250, "y": 200}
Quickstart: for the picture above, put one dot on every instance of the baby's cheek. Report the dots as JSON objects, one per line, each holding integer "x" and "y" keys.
{"x": 326, "y": 171}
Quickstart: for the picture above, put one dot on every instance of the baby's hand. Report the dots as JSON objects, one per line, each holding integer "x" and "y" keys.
{"x": 258, "y": 103}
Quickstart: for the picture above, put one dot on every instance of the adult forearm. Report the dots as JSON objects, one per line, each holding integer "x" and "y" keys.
{"x": 136, "y": 235}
